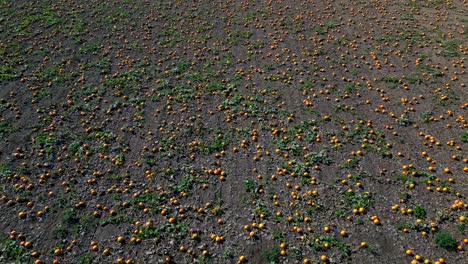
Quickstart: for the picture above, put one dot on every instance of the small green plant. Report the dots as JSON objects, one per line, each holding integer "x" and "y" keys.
{"x": 451, "y": 49}
{"x": 10, "y": 252}
{"x": 5, "y": 171}
{"x": 249, "y": 185}
{"x": 228, "y": 254}
{"x": 425, "y": 116}
{"x": 414, "y": 79}
{"x": 390, "y": 79}
{"x": 6, "y": 128}
{"x": 60, "y": 232}
{"x": 461, "y": 228}
{"x": 85, "y": 259}
{"x": 319, "y": 30}
{"x": 321, "y": 240}
{"x": 404, "y": 120}
{"x": 371, "y": 248}
{"x": 357, "y": 200}
{"x": 278, "y": 235}
{"x": 351, "y": 163}
{"x": 69, "y": 216}
{"x": 404, "y": 196}
{"x": 405, "y": 225}
{"x": 341, "y": 212}
{"x": 332, "y": 24}
{"x": 445, "y": 240}
{"x": 464, "y": 137}
{"x": 295, "y": 252}
{"x": 270, "y": 255}
{"x": 419, "y": 212}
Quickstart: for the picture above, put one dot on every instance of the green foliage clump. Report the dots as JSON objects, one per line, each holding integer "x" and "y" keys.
{"x": 419, "y": 212}
{"x": 445, "y": 240}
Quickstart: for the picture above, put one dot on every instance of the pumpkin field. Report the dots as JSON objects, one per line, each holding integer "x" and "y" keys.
{"x": 168, "y": 131}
